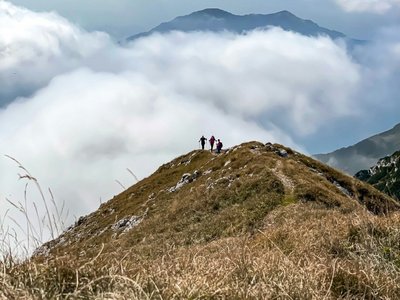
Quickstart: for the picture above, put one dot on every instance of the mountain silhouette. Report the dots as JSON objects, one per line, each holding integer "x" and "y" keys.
{"x": 217, "y": 20}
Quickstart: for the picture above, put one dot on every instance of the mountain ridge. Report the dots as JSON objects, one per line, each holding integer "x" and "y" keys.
{"x": 231, "y": 226}
{"x": 224, "y": 183}
{"x": 365, "y": 153}
{"x": 215, "y": 19}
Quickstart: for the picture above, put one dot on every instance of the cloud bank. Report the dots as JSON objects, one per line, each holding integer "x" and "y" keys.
{"x": 78, "y": 109}
{"x": 373, "y": 6}
{"x": 35, "y": 47}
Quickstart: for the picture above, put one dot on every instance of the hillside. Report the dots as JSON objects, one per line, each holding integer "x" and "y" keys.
{"x": 385, "y": 175}
{"x": 257, "y": 221}
{"x": 364, "y": 154}
{"x": 200, "y": 197}
{"x": 217, "y": 20}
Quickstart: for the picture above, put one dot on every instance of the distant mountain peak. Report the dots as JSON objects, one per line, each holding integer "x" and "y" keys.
{"x": 214, "y": 12}
{"x": 218, "y": 20}
{"x": 285, "y": 13}
{"x": 365, "y": 153}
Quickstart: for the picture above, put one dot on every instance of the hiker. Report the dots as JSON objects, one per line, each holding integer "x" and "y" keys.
{"x": 212, "y": 141}
{"x": 202, "y": 141}
{"x": 219, "y": 146}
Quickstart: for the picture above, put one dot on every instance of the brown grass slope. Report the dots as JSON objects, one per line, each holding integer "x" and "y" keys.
{"x": 245, "y": 224}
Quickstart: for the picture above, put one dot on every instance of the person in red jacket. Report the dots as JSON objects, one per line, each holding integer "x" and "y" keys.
{"x": 212, "y": 141}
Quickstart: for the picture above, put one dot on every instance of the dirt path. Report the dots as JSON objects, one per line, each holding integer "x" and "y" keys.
{"x": 287, "y": 182}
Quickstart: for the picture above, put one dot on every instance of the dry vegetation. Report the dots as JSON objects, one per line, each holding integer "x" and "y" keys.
{"x": 251, "y": 225}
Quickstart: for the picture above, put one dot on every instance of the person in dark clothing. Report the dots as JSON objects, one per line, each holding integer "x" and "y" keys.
{"x": 219, "y": 146}
{"x": 212, "y": 141}
{"x": 202, "y": 141}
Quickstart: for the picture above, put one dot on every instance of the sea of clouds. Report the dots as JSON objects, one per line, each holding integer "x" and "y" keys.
{"x": 77, "y": 109}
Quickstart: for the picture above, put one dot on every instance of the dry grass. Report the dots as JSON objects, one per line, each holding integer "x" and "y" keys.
{"x": 257, "y": 226}
{"x": 32, "y": 227}
{"x": 302, "y": 252}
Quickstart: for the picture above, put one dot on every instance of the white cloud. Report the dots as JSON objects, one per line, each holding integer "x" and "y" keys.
{"x": 35, "y": 47}
{"x": 380, "y": 61}
{"x": 305, "y": 79}
{"x": 99, "y": 108}
{"x": 374, "y": 6}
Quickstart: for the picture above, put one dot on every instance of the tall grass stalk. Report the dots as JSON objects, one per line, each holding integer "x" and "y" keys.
{"x": 37, "y": 226}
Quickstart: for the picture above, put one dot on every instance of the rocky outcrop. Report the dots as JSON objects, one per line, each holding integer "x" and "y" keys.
{"x": 385, "y": 175}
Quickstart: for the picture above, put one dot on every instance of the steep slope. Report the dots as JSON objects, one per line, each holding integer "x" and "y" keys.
{"x": 364, "y": 154}
{"x": 256, "y": 222}
{"x": 385, "y": 175}
{"x": 213, "y": 19}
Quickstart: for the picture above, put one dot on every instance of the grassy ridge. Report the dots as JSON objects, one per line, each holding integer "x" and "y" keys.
{"x": 245, "y": 224}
